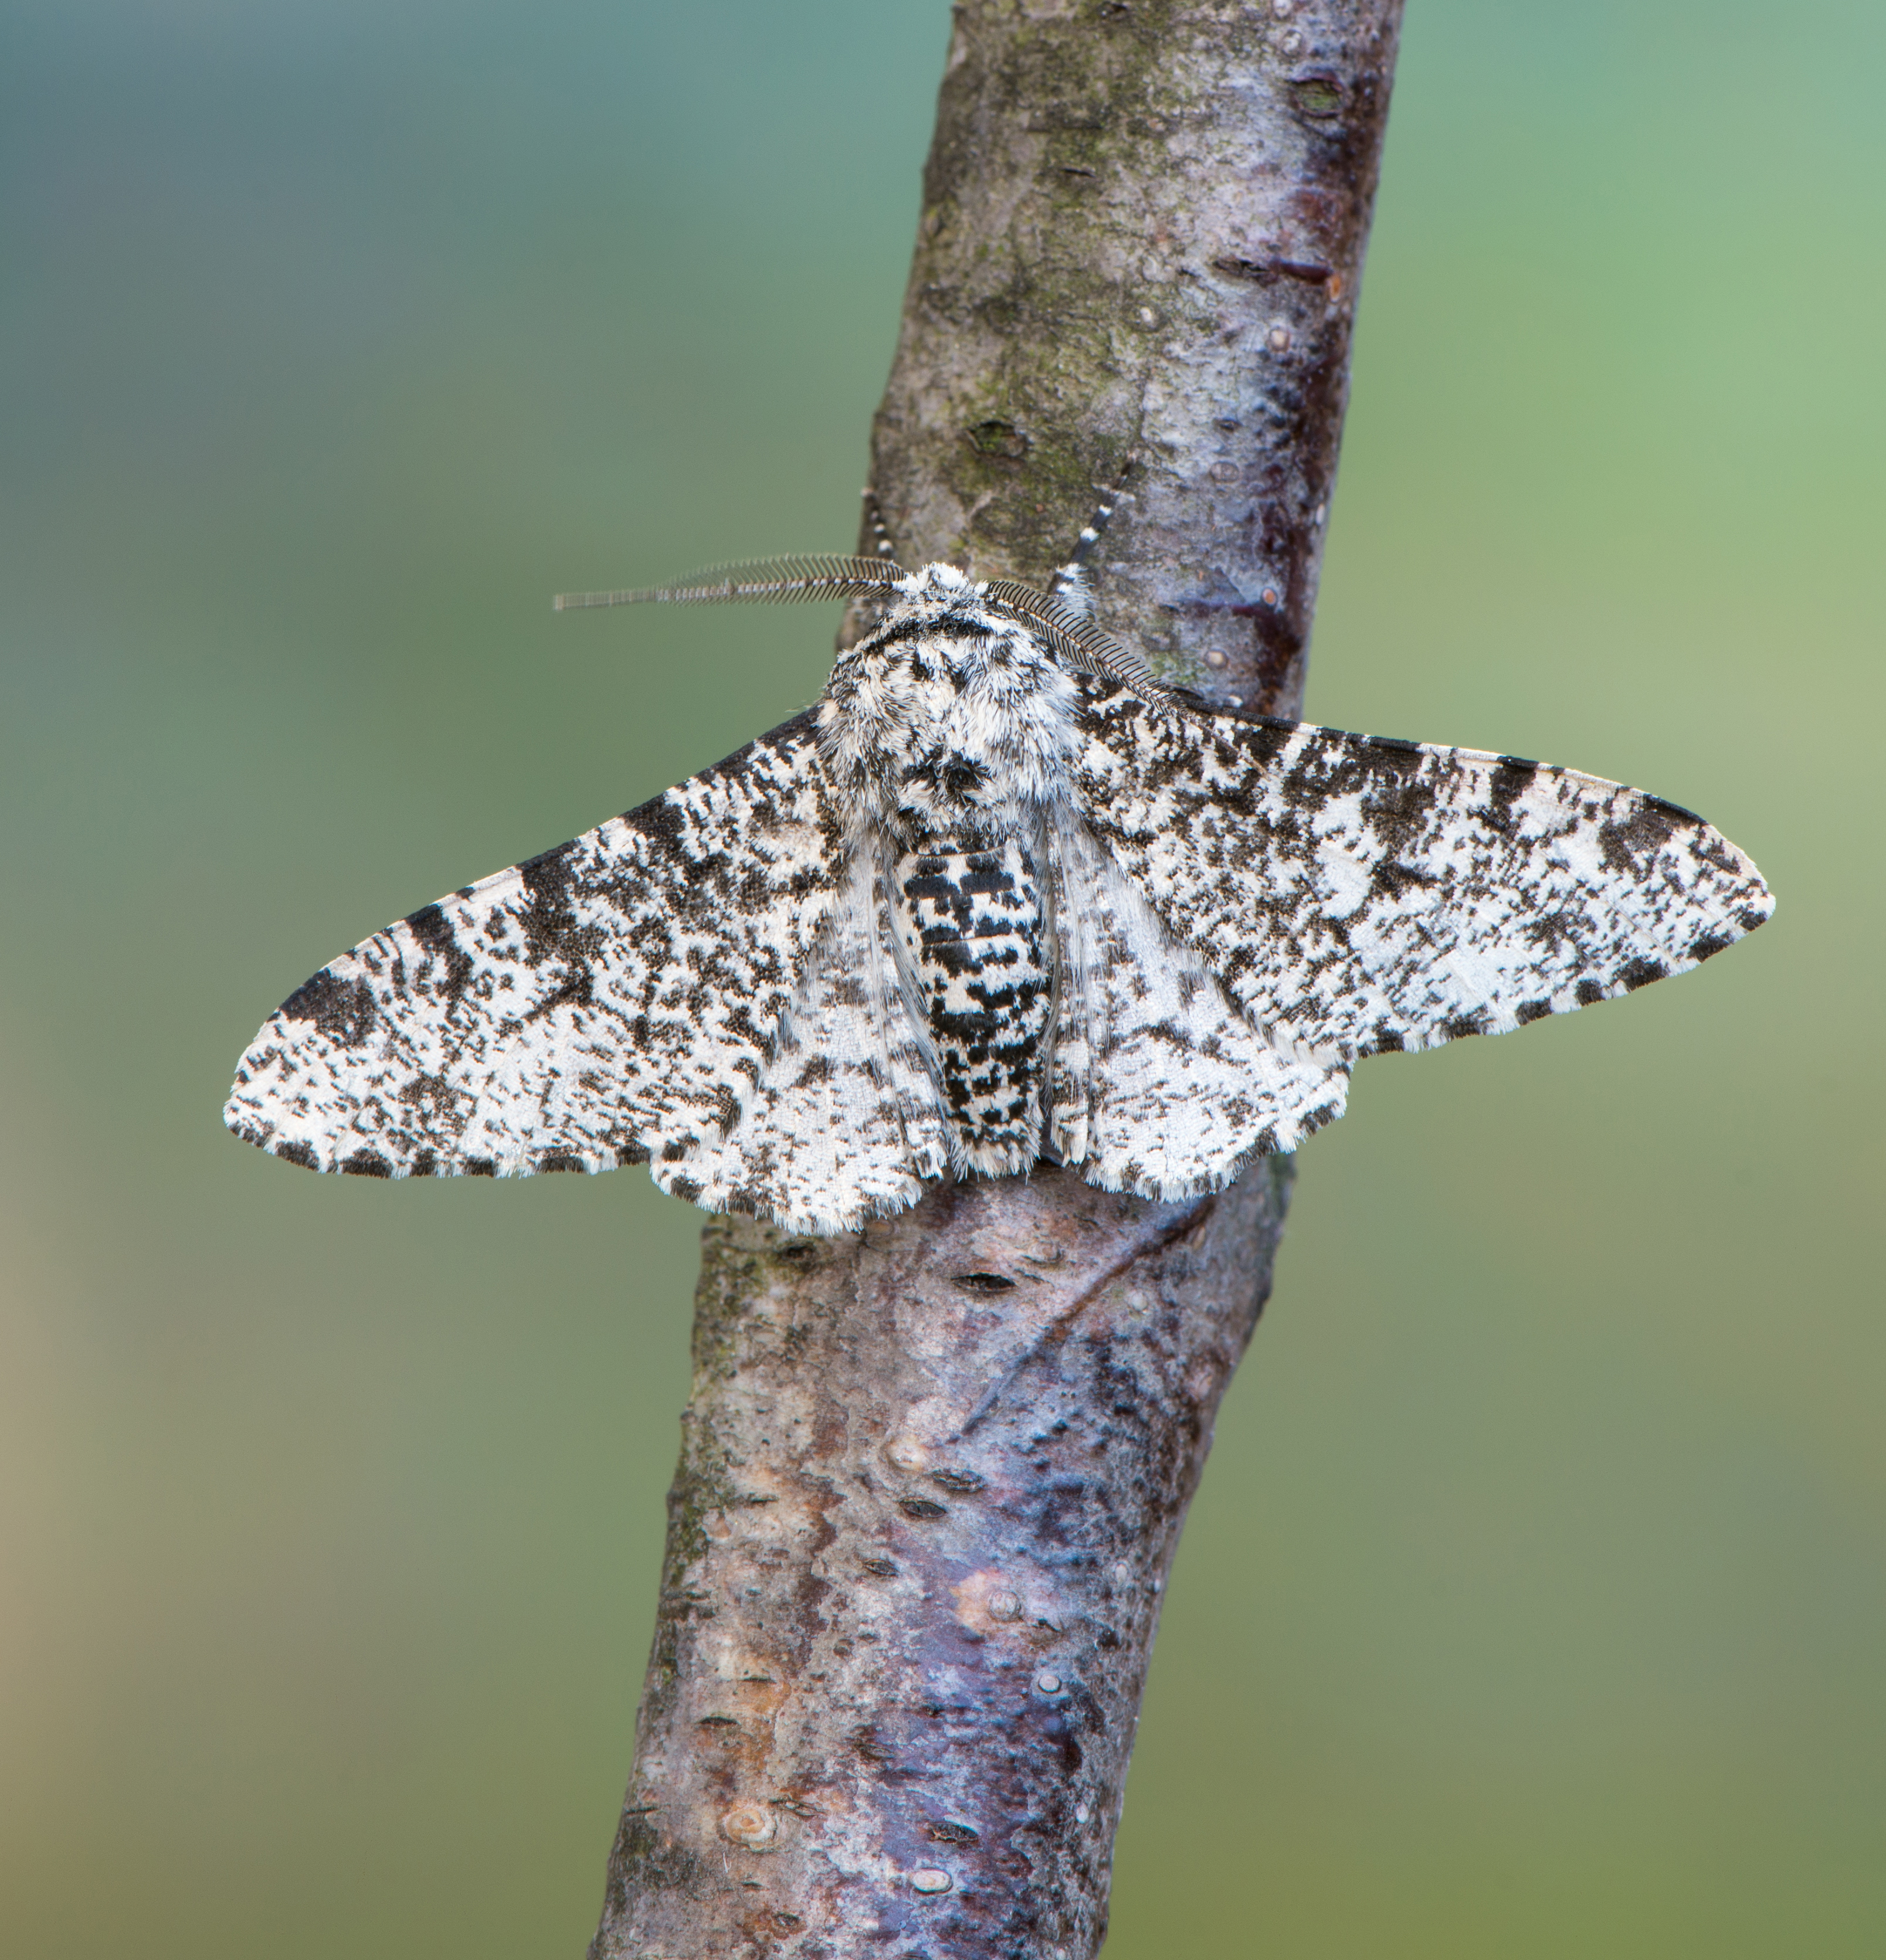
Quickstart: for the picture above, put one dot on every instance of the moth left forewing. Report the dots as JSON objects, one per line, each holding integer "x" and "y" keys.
{"x": 612, "y": 1001}
{"x": 1357, "y": 893}
{"x": 842, "y": 1123}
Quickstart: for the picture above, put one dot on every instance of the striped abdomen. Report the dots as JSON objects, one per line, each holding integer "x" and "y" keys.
{"x": 976, "y": 941}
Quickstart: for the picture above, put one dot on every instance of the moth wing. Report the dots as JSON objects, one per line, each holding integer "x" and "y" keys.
{"x": 1357, "y": 894}
{"x": 1160, "y": 1085}
{"x": 612, "y": 1001}
{"x": 844, "y": 1123}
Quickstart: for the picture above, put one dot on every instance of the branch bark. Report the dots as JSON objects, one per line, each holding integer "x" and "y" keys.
{"x": 932, "y": 1477}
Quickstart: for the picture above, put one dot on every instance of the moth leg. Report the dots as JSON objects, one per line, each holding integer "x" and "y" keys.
{"x": 864, "y": 616}
{"x": 1071, "y": 586}
{"x": 874, "y": 535}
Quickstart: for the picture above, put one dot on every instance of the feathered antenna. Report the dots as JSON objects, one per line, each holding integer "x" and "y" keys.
{"x": 782, "y": 579}
{"x": 1064, "y": 611}
{"x": 1077, "y": 641}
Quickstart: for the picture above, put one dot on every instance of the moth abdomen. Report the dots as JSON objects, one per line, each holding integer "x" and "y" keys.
{"x": 977, "y": 958}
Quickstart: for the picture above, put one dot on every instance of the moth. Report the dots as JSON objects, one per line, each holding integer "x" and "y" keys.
{"x": 998, "y": 896}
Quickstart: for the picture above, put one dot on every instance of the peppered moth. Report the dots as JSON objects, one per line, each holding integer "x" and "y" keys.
{"x": 998, "y": 894}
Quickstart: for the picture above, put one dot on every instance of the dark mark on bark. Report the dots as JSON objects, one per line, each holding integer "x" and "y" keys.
{"x": 1317, "y": 93}
{"x": 1266, "y": 271}
{"x": 999, "y": 439}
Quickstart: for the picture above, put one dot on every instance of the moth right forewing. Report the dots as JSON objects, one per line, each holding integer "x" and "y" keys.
{"x": 1358, "y": 893}
{"x": 1170, "y": 1091}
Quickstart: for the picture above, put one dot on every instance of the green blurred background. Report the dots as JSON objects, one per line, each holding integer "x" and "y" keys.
{"x": 1535, "y": 1603}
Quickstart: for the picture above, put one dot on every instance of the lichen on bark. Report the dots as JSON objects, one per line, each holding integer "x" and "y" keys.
{"x": 933, "y": 1474}
{"x": 1139, "y": 250}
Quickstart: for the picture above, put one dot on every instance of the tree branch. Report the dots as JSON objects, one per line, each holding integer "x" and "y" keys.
{"x": 932, "y": 1477}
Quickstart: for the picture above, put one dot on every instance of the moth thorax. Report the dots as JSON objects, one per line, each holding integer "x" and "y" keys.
{"x": 975, "y": 951}
{"x": 937, "y": 723}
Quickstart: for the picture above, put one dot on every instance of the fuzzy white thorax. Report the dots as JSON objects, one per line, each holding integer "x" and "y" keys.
{"x": 950, "y": 717}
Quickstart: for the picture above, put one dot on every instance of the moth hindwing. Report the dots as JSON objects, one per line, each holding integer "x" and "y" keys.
{"x": 995, "y": 895}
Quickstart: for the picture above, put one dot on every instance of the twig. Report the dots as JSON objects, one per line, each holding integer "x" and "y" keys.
{"x": 931, "y": 1478}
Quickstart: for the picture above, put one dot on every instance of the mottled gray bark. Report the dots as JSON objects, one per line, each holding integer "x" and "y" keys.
{"x": 932, "y": 1477}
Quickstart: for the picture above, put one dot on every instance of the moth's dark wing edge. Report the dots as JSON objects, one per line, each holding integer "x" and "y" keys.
{"x": 797, "y": 731}
{"x": 541, "y": 1019}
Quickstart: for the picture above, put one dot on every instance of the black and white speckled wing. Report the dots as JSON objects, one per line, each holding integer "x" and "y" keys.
{"x": 1160, "y": 1085}
{"x": 844, "y": 1123}
{"x": 615, "y": 1000}
{"x": 1357, "y": 894}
